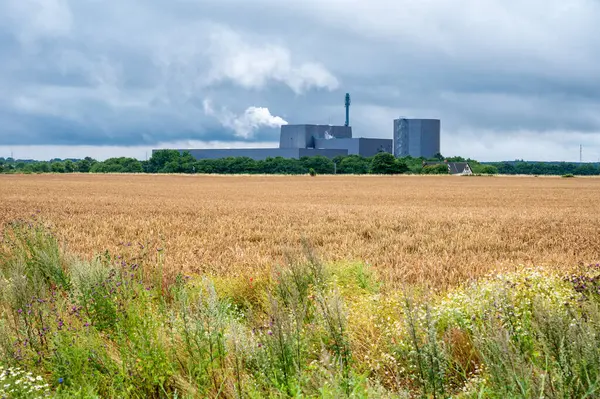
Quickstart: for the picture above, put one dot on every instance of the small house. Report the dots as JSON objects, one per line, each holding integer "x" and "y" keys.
{"x": 454, "y": 168}
{"x": 459, "y": 168}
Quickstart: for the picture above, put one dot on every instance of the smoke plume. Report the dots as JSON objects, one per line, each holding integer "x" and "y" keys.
{"x": 244, "y": 125}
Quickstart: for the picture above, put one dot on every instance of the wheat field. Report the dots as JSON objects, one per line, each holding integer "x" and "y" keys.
{"x": 438, "y": 231}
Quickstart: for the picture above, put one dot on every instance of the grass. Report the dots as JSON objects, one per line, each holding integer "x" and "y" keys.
{"x": 110, "y": 327}
{"x": 437, "y": 231}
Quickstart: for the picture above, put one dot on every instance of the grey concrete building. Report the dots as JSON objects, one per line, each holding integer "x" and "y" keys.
{"x": 416, "y": 137}
{"x": 304, "y": 136}
{"x": 260, "y": 154}
{"x": 365, "y": 147}
{"x": 297, "y": 141}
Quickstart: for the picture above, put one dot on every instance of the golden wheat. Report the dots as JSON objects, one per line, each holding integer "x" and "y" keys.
{"x": 434, "y": 230}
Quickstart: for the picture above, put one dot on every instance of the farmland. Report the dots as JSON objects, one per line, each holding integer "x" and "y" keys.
{"x": 159, "y": 286}
{"x": 438, "y": 231}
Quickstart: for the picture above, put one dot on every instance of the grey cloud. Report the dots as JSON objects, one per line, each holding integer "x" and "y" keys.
{"x": 135, "y": 72}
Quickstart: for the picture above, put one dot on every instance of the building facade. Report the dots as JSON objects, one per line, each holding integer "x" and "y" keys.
{"x": 297, "y": 141}
{"x": 260, "y": 154}
{"x": 304, "y": 136}
{"x": 365, "y": 147}
{"x": 416, "y": 137}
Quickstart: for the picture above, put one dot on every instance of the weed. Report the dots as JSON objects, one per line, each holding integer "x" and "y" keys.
{"x": 110, "y": 327}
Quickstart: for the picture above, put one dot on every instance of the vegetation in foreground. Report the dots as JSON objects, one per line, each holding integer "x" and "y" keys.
{"x": 115, "y": 327}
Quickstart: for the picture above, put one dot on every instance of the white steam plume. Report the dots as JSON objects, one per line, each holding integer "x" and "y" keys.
{"x": 246, "y": 124}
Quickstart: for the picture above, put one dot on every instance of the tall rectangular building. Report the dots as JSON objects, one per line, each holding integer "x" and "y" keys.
{"x": 416, "y": 137}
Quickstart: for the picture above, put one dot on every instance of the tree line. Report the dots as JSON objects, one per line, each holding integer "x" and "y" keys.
{"x": 547, "y": 168}
{"x": 172, "y": 161}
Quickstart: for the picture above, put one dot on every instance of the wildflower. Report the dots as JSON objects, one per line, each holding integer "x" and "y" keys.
{"x": 60, "y": 380}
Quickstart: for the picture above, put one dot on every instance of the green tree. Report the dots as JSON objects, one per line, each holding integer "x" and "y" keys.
{"x": 353, "y": 164}
{"x": 41, "y": 167}
{"x": 171, "y": 161}
{"x": 118, "y": 165}
{"x": 131, "y": 165}
{"x": 441, "y": 169}
{"x": 84, "y": 165}
{"x": 280, "y": 165}
{"x": 457, "y": 159}
{"x": 415, "y": 165}
{"x": 187, "y": 163}
{"x": 321, "y": 165}
{"x": 385, "y": 163}
{"x": 239, "y": 165}
{"x": 103, "y": 167}
{"x": 57, "y": 167}
{"x": 204, "y": 166}
{"x": 69, "y": 166}
{"x": 159, "y": 160}
{"x": 488, "y": 170}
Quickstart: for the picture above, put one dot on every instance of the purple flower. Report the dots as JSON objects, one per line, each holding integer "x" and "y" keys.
{"x": 20, "y": 311}
{"x": 270, "y": 332}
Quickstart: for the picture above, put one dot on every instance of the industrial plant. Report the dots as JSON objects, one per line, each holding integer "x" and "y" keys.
{"x": 411, "y": 137}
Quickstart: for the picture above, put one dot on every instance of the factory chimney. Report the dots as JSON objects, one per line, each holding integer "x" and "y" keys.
{"x": 347, "y": 109}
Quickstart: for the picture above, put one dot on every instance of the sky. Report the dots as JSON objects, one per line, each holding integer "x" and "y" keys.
{"x": 509, "y": 79}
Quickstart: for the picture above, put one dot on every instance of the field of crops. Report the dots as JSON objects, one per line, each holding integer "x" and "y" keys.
{"x": 434, "y": 230}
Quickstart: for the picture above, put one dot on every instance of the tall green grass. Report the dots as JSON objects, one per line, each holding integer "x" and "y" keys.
{"x": 113, "y": 327}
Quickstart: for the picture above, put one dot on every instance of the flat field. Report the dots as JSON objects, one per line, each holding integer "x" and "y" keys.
{"x": 434, "y": 230}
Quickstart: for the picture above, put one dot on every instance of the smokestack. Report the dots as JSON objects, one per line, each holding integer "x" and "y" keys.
{"x": 347, "y": 109}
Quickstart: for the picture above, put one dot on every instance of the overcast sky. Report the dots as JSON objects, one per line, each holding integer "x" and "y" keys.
{"x": 509, "y": 79}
